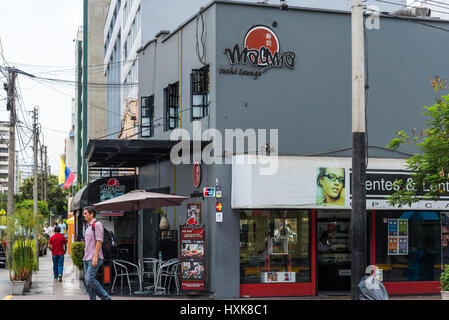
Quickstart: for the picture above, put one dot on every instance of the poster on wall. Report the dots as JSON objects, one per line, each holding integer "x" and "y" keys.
{"x": 397, "y": 236}
{"x": 330, "y": 187}
{"x": 444, "y": 238}
{"x": 193, "y": 213}
{"x": 192, "y": 257}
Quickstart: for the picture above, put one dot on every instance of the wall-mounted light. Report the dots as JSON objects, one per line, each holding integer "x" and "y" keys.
{"x": 283, "y": 5}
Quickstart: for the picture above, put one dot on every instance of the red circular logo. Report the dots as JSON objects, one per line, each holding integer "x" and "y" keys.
{"x": 262, "y": 37}
{"x": 113, "y": 182}
{"x": 196, "y": 174}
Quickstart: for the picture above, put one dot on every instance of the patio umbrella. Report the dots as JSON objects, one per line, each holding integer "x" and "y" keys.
{"x": 139, "y": 199}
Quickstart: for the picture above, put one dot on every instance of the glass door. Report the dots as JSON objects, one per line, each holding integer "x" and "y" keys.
{"x": 334, "y": 250}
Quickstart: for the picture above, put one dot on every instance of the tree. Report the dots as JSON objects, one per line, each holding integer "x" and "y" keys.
{"x": 430, "y": 166}
{"x": 41, "y": 206}
{"x": 56, "y": 196}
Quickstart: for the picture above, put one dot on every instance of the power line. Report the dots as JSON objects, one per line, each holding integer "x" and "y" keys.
{"x": 405, "y": 6}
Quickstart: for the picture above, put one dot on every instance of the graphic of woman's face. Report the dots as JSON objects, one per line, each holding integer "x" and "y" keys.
{"x": 444, "y": 236}
{"x": 332, "y": 182}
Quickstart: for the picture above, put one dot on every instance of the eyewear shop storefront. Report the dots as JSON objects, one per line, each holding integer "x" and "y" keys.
{"x": 295, "y": 228}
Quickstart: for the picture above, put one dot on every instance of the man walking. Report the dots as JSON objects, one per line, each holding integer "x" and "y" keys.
{"x": 93, "y": 255}
{"x": 58, "y": 246}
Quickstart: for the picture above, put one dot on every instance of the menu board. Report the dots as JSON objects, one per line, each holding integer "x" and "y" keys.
{"x": 397, "y": 237}
{"x": 192, "y": 257}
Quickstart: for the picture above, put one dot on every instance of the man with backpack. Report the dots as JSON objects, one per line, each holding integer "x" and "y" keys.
{"x": 93, "y": 255}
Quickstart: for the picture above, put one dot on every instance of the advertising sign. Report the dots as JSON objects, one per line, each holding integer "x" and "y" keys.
{"x": 192, "y": 257}
{"x": 318, "y": 182}
{"x": 193, "y": 213}
{"x": 209, "y": 192}
{"x": 397, "y": 236}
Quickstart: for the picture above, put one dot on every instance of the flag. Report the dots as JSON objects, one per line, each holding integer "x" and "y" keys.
{"x": 66, "y": 175}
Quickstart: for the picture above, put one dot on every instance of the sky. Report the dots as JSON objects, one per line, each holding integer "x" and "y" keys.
{"x": 37, "y": 37}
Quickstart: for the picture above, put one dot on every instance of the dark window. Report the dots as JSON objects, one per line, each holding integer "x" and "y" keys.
{"x": 200, "y": 92}
{"x": 171, "y": 97}
{"x": 147, "y": 116}
{"x": 421, "y": 258}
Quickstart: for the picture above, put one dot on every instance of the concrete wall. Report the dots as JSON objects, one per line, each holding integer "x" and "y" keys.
{"x": 96, "y": 97}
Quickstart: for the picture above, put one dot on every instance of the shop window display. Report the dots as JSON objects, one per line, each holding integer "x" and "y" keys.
{"x": 408, "y": 245}
{"x": 274, "y": 246}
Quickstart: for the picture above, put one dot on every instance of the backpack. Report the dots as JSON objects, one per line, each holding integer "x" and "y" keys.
{"x": 108, "y": 239}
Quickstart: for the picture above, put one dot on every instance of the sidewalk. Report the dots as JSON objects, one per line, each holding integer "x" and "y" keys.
{"x": 45, "y": 288}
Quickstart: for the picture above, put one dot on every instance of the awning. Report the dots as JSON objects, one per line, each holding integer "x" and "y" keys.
{"x": 117, "y": 153}
{"x": 80, "y": 200}
{"x": 419, "y": 215}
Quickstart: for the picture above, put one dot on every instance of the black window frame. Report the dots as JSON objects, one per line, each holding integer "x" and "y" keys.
{"x": 200, "y": 86}
{"x": 147, "y": 102}
{"x": 171, "y": 106}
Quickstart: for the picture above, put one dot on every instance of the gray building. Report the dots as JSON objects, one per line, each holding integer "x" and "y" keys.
{"x": 131, "y": 24}
{"x": 280, "y": 81}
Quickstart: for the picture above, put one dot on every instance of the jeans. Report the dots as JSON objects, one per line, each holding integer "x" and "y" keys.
{"x": 58, "y": 265}
{"x": 94, "y": 287}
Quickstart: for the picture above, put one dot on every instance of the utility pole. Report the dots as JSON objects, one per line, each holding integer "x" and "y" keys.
{"x": 45, "y": 174}
{"x": 358, "y": 214}
{"x": 12, "y": 138}
{"x": 35, "y": 209}
{"x": 42, "y": 172}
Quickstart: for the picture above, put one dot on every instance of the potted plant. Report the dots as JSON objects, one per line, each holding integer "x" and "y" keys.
{"x": 77, "y": 252}
{"x": 24, "y": 262}
{"x": 444, "y": 282}
{"x": 164, "y": 225}
{"x": 21, "y": 251}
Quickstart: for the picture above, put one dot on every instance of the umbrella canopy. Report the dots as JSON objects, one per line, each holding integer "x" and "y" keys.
{"x": 140, "y": 199}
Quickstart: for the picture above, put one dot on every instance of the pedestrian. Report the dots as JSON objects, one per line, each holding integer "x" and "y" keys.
{"x": 63, "y": 227}
{"x": 93, "y": 255}
{"x": 47, "y": 231}
{"x": 58, "y": 246}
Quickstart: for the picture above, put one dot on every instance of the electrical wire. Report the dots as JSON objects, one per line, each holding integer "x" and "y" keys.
{"x": 405, "y": 6}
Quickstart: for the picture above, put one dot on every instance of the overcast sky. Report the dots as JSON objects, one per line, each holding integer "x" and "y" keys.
{"x": 37, "y": 37}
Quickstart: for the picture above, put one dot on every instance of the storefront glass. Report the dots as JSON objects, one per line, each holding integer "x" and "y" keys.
{"x": 408, "y": 245}
{"x": 274, "y": 246}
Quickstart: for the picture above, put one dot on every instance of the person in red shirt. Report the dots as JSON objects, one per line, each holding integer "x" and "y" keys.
{"x": 57, "y": 244}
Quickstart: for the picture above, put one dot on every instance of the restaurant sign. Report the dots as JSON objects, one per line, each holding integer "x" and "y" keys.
{"x": 261, "y": 49}
{"x": 192, "y": 258}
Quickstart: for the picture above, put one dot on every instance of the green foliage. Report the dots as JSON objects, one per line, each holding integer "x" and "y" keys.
{"x": 22, "y": 224}
{"x": 56, "y": 196}
{"x": 77, "y": 252}
{"x": 24, "y": 259}
{"x": 41, "y": 207}
{"x": 430, "y": 166}
{"x": 444, "y": 279}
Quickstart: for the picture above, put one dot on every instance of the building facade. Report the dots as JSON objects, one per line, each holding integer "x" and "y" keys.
{"x": 89, "y": 121}
{"x": 131, "y": 24}
{"x": 273, "y": 90}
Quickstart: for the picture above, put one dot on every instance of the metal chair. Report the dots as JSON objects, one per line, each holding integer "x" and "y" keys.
{"x": 164, "y": 273}
{"x": 174, "y": 274}
{"x": 148, "y": 269}
{"x": 122, "y": 269}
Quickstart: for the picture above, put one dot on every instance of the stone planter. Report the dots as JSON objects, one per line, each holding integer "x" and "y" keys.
{"x": 445, "y": 295}
{"x": 27, "y": 286}
{"x": 17, "y": 288}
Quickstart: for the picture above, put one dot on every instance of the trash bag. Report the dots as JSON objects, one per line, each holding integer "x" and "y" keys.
{"x": 372, "y": 289}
